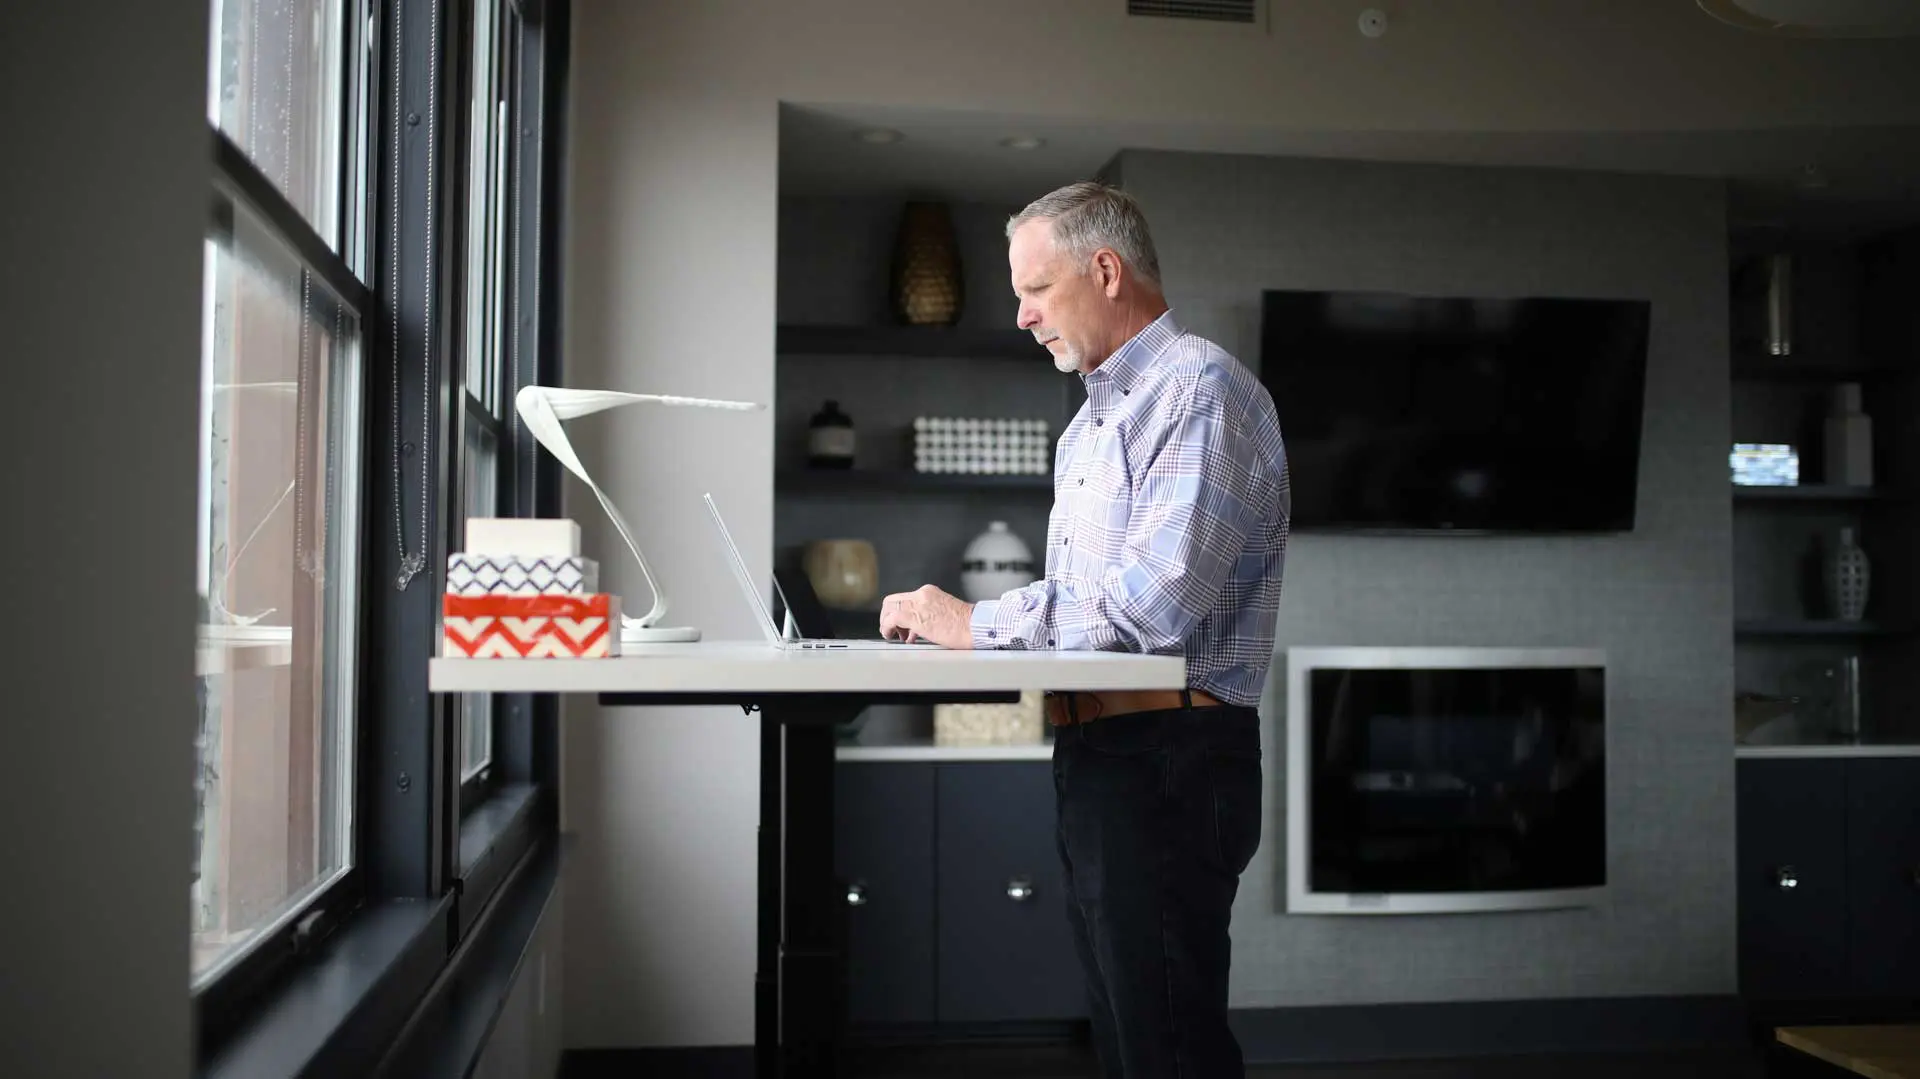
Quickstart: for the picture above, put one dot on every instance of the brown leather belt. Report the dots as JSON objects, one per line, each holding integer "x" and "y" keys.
{"x": 1065, "y": 709}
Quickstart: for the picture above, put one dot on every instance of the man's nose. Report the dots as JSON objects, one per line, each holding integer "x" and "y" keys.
{"x": 1028, "y": 318}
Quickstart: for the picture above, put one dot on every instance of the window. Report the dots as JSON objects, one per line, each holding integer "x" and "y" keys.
{"x": 278, "y": 494}
{"x": 379, "y": 169}
{"x": 488, "y": 376}
{"x": 275, "y": 89}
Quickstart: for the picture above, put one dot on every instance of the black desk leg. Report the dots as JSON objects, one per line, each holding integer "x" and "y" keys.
{"x": 766, "y": 977}
{"x": 799, "y": 990}
{"x": 810, "y": 962}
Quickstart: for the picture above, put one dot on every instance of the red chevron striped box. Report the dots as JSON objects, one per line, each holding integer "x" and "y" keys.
{"x": 530, "y": 627}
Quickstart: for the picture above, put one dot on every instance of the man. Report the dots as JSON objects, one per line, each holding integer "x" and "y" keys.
{"x": 1168, "y": 536}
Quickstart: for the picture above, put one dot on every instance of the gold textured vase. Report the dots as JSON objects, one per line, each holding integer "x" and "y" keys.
{"x": 926, "y": 267}
{"x": 845, "y": 573}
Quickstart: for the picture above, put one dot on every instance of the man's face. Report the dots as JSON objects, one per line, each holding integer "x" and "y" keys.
{"x": 1061, "y": 304}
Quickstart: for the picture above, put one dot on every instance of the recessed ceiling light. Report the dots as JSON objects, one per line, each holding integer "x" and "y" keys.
{"x": 1022, "y": 142}
{"x": 879, "y": 136}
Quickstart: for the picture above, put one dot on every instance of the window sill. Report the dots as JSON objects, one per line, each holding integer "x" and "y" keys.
{"x": 386, "y": 998}
{"x": 494, "y": 836}
{"x": 332, "y": 1016}
{"x": 450, "y": 1030}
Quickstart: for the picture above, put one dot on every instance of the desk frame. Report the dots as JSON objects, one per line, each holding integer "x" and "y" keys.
{"x": 800, "y": 977}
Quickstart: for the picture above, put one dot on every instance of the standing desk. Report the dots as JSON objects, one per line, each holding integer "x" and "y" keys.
{"x": 800, "y": 696}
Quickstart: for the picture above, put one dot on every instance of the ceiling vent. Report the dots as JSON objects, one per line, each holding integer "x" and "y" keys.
{"x": 1246, "y": 12}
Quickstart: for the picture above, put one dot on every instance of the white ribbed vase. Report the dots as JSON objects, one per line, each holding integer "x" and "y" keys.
{"x": 995, "y": 563}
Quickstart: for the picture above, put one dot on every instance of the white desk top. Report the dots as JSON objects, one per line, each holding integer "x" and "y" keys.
{"x": 754, "y": 667}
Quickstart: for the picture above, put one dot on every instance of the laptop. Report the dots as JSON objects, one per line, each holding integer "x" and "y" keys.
{"x": 786, "y": 635}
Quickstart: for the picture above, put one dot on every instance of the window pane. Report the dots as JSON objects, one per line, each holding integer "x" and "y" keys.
{"x": 274, "y": 88}
{"x": 482, "y": 464}
{"x": 278, "y": 486}
{"x": 489, "y": 199}
{"x": 476, "y": 736}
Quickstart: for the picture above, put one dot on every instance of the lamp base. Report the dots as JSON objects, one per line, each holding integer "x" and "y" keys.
{"x": 631, "y": 634}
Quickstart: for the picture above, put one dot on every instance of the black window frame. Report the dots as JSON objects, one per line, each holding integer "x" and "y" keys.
{"x": 338, "y": 984}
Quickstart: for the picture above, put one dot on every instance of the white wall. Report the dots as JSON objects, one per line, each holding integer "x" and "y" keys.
{"x": 103, "y": 203}
{"x": 526, "y": 1040}
{"x": 671, "y": 283}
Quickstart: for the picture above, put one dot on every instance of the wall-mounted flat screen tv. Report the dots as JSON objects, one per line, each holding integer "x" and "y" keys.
{"x": 1407, "y": 413}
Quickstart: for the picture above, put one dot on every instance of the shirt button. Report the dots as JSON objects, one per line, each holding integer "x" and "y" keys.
{"x": 1099, "y": 423}
{"x": 991, "y": 634}
{"x": 1049, "y": 642}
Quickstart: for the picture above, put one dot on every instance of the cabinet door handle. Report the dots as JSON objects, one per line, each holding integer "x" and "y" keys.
{"x": 856, "y": 894}
{"x": 1020, "y": 889}
{"x": 1787, "y": 877}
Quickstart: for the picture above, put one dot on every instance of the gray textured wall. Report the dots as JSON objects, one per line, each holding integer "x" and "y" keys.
{"x": 1658, "y": 600}
{"x": 102, "y": 306}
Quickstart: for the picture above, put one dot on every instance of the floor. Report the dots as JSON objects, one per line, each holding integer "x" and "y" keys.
{"x": 1076, "y": 1062}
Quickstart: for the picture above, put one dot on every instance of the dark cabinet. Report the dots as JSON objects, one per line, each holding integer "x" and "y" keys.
{"x": 883, "y": 850}
{"x": 956, "y": 908}
{"x": 1006, "y": 952}
{"x": 1883, "y": 902}
{"x": 1793, "y": 877}
{"x": 1829, "y": 878}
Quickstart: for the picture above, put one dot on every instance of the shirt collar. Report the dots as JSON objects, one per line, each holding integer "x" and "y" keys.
{"x": 1124, "y": 367}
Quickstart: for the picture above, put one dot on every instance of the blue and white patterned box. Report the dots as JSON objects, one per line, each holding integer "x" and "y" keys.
{"x": 516, "y": 575}
{"x": 1765, "y": 464}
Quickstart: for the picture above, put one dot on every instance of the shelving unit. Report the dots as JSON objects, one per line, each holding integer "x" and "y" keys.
{"x": 1845, "y": 328}
{"x": 858, "y": 481}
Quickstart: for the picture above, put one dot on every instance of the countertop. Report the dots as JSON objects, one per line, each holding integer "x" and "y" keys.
{"x": 1868, "y": 748}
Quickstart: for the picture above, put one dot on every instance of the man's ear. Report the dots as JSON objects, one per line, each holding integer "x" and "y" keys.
{"x": 1107, "y": 271}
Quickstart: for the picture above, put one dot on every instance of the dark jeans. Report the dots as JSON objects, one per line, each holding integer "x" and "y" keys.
{"x": 1159, "y": 813}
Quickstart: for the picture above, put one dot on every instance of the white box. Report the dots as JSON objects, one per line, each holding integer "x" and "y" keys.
{"x": 526, "y": 537}
{"x": 1021, "y": 724}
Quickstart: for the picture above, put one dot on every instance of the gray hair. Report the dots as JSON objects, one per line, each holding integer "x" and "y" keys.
{"x": 1088, "y": 216}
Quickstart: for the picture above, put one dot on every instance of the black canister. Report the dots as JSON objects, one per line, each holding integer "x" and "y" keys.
{"x": 830, "y": 438}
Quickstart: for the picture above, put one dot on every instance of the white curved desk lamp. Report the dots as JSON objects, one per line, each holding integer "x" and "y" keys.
{"x": 542, "y": 408}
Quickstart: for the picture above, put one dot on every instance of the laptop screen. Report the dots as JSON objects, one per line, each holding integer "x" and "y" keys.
{"x": 743, "y": 578}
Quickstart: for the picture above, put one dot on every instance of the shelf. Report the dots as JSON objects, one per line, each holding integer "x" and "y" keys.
{"x": 907, "y": 341}
{"x": 1794, "y": 369}
{"x": 855, "y": 480}
{"x": 1816, "y": 492}
{"x": 853, "y": 625}
{"x": 1812, "y": 627}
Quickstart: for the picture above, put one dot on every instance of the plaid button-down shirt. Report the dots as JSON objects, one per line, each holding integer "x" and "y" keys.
{"x": 1169, "y": 527}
